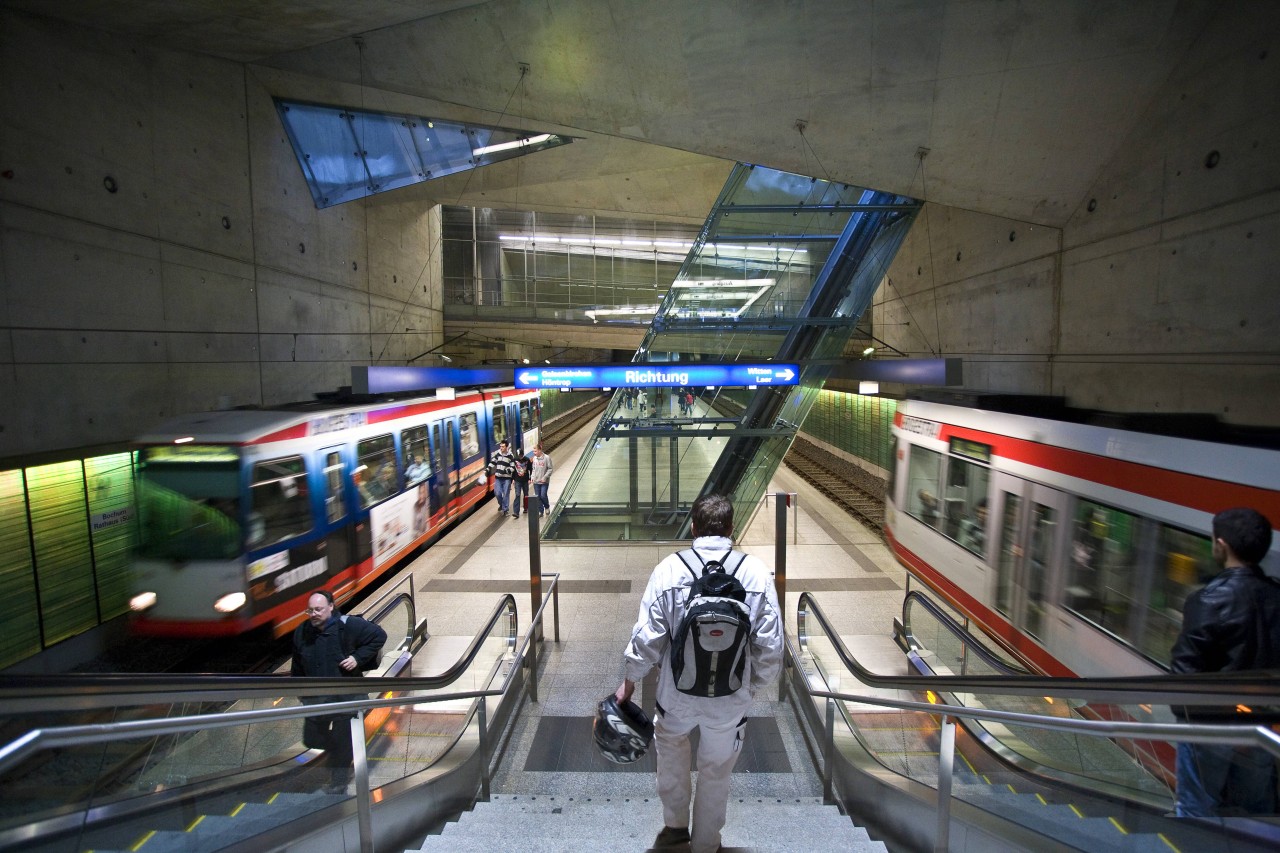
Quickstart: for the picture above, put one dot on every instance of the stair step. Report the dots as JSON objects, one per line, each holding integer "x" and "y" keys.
{"x": 554, "y": 824}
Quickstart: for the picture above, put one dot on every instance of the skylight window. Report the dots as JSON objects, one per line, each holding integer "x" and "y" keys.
{"x": 348, "y": 154}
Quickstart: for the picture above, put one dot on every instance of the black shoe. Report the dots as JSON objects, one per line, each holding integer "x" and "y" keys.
{"x": 517, "y": 515}
{"x": 671, "y": 836}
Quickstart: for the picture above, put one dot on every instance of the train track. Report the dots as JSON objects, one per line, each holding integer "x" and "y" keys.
{"x": 830, "y": 475}
{"x": 557, "y": 433}
{"x": 836, "y": 478}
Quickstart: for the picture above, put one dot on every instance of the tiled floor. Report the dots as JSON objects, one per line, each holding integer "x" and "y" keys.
{"x": 550, "y": 752}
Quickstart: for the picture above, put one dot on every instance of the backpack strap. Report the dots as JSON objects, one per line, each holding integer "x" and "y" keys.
{"x": 687, "y": 564}
{"x": 725, "y": 562}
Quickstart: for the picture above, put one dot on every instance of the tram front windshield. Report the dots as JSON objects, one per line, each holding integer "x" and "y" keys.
{"x": 188, "y": 502}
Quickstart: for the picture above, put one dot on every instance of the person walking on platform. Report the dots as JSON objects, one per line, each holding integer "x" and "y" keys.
{"x": 1231, "y": 624}
{"x": 331, "y": 645}
{"x": 501, "y": 463}
{"x": 520, "y": 482}
{"x": 643, "y": 399}
{"x": 540, "y": 468}
{"x": 719, "y": 708}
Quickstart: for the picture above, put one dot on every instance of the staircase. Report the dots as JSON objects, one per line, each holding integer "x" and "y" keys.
{"x": 558, "y": 824}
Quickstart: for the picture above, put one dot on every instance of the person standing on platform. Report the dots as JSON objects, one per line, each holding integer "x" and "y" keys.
{"x": 540, "y": 468}
{"x": 520, "y": 482}
{"x": 331, "y": 645}
{"x": 643, "y": 399}
{"x": 721, "y": 720}
{"x": 1232, "y": 624}
{"x": 501, "y": 462}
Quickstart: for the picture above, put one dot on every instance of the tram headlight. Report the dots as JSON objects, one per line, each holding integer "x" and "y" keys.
{"x": 142, "y": 601}
{"x": 230, "y": 603}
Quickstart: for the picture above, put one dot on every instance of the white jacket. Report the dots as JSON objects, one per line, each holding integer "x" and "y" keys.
{"x": 660, "y": 612}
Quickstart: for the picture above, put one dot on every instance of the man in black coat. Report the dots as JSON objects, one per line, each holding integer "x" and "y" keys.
{"x": 330, "y": 645}
{"x": 1230, "y": 625}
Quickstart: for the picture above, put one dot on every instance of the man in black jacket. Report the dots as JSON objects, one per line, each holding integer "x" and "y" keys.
{"x": 1232, "y": 624}
{"x": 330, "y": 645}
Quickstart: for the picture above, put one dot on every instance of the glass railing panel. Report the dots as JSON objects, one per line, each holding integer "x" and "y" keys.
{"x": 1137, "y": 767}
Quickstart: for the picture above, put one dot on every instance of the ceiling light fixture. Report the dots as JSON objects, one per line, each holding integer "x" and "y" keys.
{"x": 507, "y": 146}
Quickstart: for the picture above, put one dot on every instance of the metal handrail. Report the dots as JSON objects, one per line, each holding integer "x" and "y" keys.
{"x": 945, "y": 619}
{"x": 1258, "y": 687}
{"x": 30, "y": 693}
{"x": 1223, "y": 734}
{"x": 38, "y": 740}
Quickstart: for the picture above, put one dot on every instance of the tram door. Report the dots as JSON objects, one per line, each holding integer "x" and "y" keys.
{"x": 1031, "y": 521}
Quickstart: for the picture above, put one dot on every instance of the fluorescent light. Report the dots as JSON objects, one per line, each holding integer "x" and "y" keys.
{"x": 507, "y": 146}
{"x": 867, "y": 387}
{"x": 868, "y": 350}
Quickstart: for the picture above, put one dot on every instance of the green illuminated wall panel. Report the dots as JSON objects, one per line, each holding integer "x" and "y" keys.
{"x": 19, "y": 611}
{"x": 112, "y": 526}
{"x": 60, "y": 530}
{"x": 857, "y": 424}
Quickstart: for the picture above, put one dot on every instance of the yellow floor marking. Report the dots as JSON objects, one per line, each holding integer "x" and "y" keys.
{"x": 1160, "y": 835}
{"x": 195, "y": 823}
{"x": 1042, "y": 800}
{"x": 273, "y": 798}
{"x": 972, "y": 769}
{"x": 1079, "y": 813}
{"x": 137, "y": 845}
{"x": 1117, "y": 825}
{"x": 985, "y": 779}
{"x": 237, "y": 809}
{"x": 1012, "y": 790}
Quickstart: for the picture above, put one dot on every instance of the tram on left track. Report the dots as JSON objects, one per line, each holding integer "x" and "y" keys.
{"x": 243, "y": 514}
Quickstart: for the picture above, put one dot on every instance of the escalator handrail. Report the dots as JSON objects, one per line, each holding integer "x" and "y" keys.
{"x": 1255, "y": 688}
{"x": 38, "y": 740}
{"x": 973, "y": 642}
{"x": 36, "y": 693}
{"x": 1216, "y": 733}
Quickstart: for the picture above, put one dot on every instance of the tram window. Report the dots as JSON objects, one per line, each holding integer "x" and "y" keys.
{"x": 1043, "y": 524}
{"x": 1007, "y": 567}
{"x": 375, "y": 475}
{"x": 965, "y": 507}
{"x": 470, "y": 435}
{"x": 417, "y": 456}
{"x": 499, "y": 425}
{"x": 188, "y": 504}
{"x": 333, "y": 507}
{"x": 279, "y": 504}
{"x": 1182, "y": 560}
{"x": 526, "y": 417}
{"x": 1103, "y": 569}
{"x": 924, "y": 469}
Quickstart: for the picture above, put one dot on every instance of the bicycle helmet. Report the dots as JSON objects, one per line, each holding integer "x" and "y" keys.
{"x": 622, "y": 732}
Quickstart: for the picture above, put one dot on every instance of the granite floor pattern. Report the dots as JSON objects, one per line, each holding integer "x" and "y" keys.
{"x": 549, "y": 750}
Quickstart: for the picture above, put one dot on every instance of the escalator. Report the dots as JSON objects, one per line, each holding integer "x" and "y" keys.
{"x": 210, "y": 772}
{"x": 1013, "y": 786}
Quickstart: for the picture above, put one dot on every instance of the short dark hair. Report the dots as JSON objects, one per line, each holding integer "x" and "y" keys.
{"x": 712, "y": 515}
{"x": 1247, "y": 533}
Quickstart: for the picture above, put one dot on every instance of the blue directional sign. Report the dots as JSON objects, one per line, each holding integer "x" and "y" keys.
{"x": 699, "y": 374}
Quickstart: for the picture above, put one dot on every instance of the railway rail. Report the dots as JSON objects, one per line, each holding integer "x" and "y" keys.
{"x": 833, "y": 476}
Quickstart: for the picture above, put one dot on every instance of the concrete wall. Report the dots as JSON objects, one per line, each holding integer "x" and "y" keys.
{"x": 207, "y": 278}
{"x": 1160, "y": 293}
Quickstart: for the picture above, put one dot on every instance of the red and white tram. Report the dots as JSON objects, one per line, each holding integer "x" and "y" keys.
{"x": 1076, "y": 544}
{"x": 242, "y": 514}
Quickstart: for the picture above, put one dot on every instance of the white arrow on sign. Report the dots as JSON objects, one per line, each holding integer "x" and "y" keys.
{"x": 529, "y": 376}
{"x": 786, "y": 374}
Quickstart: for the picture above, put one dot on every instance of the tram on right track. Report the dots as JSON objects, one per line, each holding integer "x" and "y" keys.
{"x": 1075, "y": 543}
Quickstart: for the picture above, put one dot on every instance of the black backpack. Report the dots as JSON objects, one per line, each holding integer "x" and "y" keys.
{"x": 709, "y": 648}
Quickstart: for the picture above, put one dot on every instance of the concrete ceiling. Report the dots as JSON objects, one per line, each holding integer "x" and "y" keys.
{"x": 1020, "y": 103}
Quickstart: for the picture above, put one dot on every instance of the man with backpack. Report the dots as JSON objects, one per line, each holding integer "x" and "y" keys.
{"x": 710, "y": 620}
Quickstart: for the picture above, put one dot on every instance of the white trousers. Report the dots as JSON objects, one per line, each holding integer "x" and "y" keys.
{"x": 719, "y": 744}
